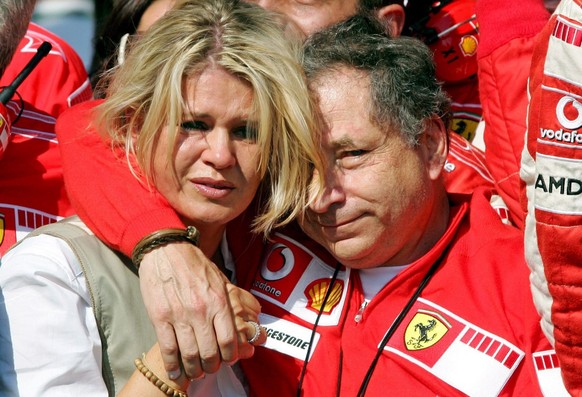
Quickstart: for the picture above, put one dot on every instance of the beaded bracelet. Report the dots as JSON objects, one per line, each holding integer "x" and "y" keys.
{"x": 163, "y": 237}
{"x": 157, "y": 382}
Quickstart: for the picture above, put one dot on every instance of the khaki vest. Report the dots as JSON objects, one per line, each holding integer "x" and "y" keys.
{"x": 125, "y": 329}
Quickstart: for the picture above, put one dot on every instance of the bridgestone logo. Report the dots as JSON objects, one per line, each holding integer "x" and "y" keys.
{"x": 286, "y": 338}
{"x": 561, "y": 136}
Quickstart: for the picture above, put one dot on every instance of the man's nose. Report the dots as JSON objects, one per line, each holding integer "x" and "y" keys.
{"x": 332, "y": 192}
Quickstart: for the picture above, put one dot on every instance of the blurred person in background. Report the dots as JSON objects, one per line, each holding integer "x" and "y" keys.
{"x": 32, "y": 190}
{"x": 125, "y": 20}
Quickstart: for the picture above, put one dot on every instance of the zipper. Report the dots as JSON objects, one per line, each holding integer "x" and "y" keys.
{"x": 360, "y": 313}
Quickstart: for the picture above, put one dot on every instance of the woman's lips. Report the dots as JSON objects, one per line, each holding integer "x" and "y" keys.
{"x": 212, "y": 188}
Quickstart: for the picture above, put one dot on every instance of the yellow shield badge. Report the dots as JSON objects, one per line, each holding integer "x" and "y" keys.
{"x": 425, "y": 329}
{"x": 2, "y": 226}
{"x": 467, "y": 128}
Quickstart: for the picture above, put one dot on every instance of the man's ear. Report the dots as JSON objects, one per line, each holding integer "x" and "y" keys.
{"x": 392, "y": 17}
{"x": 435, "y": 145}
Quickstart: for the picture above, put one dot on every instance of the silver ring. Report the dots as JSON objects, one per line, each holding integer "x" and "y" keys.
{"x": 257, "y": 332}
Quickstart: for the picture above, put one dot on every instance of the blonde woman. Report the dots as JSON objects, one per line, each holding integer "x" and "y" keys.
{"x": 213, "y": 113}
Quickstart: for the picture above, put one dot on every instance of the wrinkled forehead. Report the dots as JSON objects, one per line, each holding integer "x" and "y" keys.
{"x": 343, "y": 100}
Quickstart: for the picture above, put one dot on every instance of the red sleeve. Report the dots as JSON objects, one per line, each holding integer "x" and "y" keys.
{"x": 552, "y": 170}
{"x": 507, "y": 31}
{"x": 501, "y": 21}
{"x": 107, "y": 197}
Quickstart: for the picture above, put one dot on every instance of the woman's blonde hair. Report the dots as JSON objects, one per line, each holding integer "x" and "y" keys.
{"x": 146, "y": 93}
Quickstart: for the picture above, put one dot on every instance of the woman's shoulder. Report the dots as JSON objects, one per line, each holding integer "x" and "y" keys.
{"x": 41, "y": 259}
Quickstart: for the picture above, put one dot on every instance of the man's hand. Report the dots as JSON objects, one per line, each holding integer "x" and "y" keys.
{"x": 186, "y": 297}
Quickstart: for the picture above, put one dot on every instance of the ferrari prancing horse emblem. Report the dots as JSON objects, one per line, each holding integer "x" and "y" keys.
{"x": 425, "y": 330}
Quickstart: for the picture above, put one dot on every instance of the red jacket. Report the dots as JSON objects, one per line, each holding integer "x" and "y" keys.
{"x": 32, "y": 191}
{"x": 552, "y": 173}
{"x": 474, "y": 330}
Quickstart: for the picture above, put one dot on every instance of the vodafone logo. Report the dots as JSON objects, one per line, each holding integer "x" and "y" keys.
{"x": 566, "y": 108}
{"x": 279, "y": 263}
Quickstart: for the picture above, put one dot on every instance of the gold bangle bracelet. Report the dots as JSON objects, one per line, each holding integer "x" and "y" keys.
{"x": 157, "y": 382}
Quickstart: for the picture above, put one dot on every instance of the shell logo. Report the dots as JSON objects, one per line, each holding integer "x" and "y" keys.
{"x": 315, "y": 293}
{"x": 468, "y": 45}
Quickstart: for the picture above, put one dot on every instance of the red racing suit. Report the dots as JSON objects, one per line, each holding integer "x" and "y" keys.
{"x": 60, "y": 79}
{"x": 119, "y": 209}
{"x": 507, "y": 31}
{"x": 473, "y": 331}
{"x": 552, "y": 173}
{"x": 32, "y": 190}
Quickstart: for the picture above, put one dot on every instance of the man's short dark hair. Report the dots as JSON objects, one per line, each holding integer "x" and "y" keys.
{"x": 405, "y": 93}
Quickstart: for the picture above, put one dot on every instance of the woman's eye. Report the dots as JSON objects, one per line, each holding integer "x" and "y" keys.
{"x": 246, "y": 133}
{"x": 193, "y": 126}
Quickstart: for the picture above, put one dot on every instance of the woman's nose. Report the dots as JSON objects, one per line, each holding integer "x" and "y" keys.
{"x": 220, "y": 151}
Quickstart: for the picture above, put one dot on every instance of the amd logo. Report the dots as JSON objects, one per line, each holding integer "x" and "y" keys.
{"x": 559, "y": 185}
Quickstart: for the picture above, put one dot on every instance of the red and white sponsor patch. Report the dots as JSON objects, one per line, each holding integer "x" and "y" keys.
{"x": 549, "y": 374}
{"x": 564, "y": 48}
{"x": 287, "y": 337}
{"x": 558, "y": 185}
{"x": 467, "y": 357}
{"x": 295, "y": 279}
{"x": 16, "y": 222}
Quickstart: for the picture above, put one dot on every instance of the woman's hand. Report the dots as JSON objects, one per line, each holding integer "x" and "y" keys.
{"x": 246, "y": 309}
{"x": 140, "y": 385}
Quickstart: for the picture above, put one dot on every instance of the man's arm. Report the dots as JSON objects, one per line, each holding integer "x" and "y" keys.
{"x": 191, "y": 314}
{"x": 553, "y": 156}
{"x": 507, "y": 31}
{"x": 117, "y": 207}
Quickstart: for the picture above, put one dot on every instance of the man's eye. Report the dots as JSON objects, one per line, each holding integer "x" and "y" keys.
{"x": 246, "y": 133}
{"x": 353, "y": 153}
{"x": 193, "y": 126}
{"x": 348, "y": 159}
